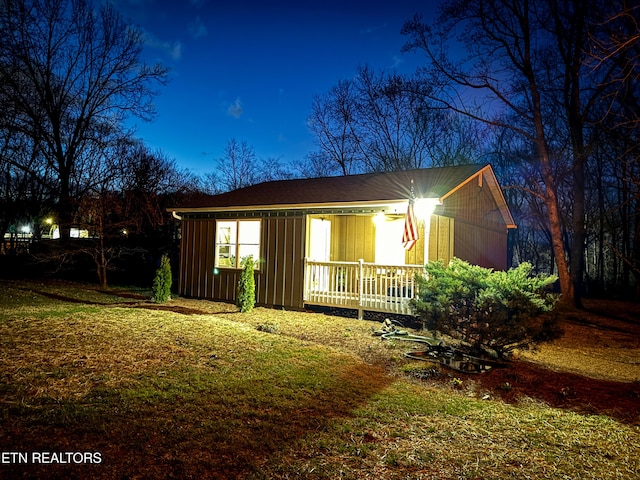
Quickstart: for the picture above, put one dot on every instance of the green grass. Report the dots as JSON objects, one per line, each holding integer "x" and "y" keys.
{"x": 213, "y": 395}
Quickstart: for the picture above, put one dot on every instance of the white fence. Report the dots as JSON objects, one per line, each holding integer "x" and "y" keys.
{"x": 361, "y": 285}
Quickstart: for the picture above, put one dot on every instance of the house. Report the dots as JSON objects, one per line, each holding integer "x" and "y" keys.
{"x": 338, "y": 241}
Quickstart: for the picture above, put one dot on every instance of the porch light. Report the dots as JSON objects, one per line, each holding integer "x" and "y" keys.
{"x": 379, "y": 218}
{"x": 424, "y": 207}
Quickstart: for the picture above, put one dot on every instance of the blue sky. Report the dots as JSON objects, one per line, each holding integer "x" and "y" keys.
{"x": 249, "y": 69}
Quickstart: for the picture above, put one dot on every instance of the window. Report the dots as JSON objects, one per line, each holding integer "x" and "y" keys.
{"x": 236, "y": 240}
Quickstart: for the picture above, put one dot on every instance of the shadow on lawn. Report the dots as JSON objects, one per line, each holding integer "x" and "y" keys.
{"x": 138, "y": 301}
{"x": 186, "y": 439}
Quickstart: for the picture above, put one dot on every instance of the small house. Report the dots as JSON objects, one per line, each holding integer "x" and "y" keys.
{"x": 354, "y": 242}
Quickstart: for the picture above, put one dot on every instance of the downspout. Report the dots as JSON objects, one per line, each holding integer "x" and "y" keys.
{"x": 180, "y": 273}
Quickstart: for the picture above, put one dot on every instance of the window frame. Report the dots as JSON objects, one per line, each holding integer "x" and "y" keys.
{"x": 234, "y": 245}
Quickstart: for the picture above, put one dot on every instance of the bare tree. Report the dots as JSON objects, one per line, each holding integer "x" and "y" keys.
{"x": 317, "y": 164}
{"x": 73, "y": 74}
{"x": 147, "y": 183}
{"x": 393, "y": 122}
{"x": 524, "y": 70}
{"x": 240, "y": 167}
{"x": 334, "y": 123}
{"x": 373, "y": 122}
{"x": 237, "y": 168}
{"x": 126, "y": 213}
{"x": 615, "y": 47}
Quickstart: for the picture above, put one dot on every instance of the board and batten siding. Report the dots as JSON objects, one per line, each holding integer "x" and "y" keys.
{"x": 353, "y": 237}
{"x": 480, "y": 234}
{"x": 279, "y": 279}
{"x": 196, "y": 258}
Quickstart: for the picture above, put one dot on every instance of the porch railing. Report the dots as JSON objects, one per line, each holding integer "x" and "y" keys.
{"x": 361, "y": 285}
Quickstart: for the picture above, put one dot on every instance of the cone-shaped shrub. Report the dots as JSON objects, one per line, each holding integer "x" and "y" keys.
{"x": 246, "y": 299}
{"x": 162, "y": 282}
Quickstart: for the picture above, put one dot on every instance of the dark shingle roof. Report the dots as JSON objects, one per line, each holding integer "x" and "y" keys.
{"x": 370, "y": 187}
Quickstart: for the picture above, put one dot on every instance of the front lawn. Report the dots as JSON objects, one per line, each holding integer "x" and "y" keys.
{"x": 107, "y": 385}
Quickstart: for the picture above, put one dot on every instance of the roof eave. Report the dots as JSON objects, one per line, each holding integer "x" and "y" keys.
{"x": 381, "y": 204}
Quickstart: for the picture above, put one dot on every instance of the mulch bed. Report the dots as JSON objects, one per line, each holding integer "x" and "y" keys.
{"x": 564, "y": 390}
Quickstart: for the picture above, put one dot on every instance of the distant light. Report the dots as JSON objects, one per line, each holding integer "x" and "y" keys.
{"x": 124, "y": 232}
{"x": 26, "y": 229}
{"x": 49, "y": 221}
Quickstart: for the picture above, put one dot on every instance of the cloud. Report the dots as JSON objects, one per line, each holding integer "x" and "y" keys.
{"x": 373, "y": 29}
{"x": 197, "y": 29}
{"x": 171, "y": 48}
{"x": 235, "y": 109}
{"x": 397, "y": 61}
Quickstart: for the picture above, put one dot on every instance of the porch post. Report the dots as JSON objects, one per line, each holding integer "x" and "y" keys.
{"x": 427, "y": 229}
{"x": 305, "y": 280}
{"x": 360, "y": 288}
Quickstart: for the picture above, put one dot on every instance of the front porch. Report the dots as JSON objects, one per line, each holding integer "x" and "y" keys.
{"x": 361, "y": 286}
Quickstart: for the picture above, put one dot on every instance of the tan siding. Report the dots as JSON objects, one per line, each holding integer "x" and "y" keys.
{"x": 279, "y": 261}
{"x": 352, "y": 238}
{"x": 480, "y": 246}
{"x": 294, "y": 281}
{"x": 209, "y": 249}
{"x": 196, "y": 258}
{"x": 201, "y": 273}
{"x": 281, "y": 277}
{"x": 267, "y": 292}
{"x": 185, "y": 257}
{"x": 441, "y": 244}
{"x": 279, "y": 280}
{"x": 480, "y": 235}
{"x": 475, "y": 205}
{"x": 415, "y": 256}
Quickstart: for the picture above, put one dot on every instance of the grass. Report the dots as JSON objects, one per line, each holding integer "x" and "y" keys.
{"x": 194, "y": 389}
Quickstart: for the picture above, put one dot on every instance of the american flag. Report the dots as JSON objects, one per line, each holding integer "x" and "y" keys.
{"x": 410, "y": 235}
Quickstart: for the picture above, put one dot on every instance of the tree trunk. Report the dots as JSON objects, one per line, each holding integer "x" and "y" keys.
{"x": 551, "y": 201}
{"x": 65, "y": 202}
{"x": 100, "y": 257}
{"x": 555, "y": 226}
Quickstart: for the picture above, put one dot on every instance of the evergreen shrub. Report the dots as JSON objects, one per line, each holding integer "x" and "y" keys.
{"x": 161, "y": 288}
{"x": 246, "y": 298}
{"x": 488, "y": 310}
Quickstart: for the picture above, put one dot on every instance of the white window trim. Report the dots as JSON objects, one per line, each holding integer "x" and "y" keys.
{"x": 235, "y": 246}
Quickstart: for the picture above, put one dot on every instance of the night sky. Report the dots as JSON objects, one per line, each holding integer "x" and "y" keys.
{"x": 249, "y": 69}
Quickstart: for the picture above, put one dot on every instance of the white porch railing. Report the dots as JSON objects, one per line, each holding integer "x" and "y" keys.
{"x": 361, "y": 285}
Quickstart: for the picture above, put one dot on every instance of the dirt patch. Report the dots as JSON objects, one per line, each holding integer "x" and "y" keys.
{"x": 593, "y": 368}
{"x": 564, "y": 390}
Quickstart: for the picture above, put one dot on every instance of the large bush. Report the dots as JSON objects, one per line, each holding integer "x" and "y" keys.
{"x": 246, "y": 299}
{"x": 488, "y": 310}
